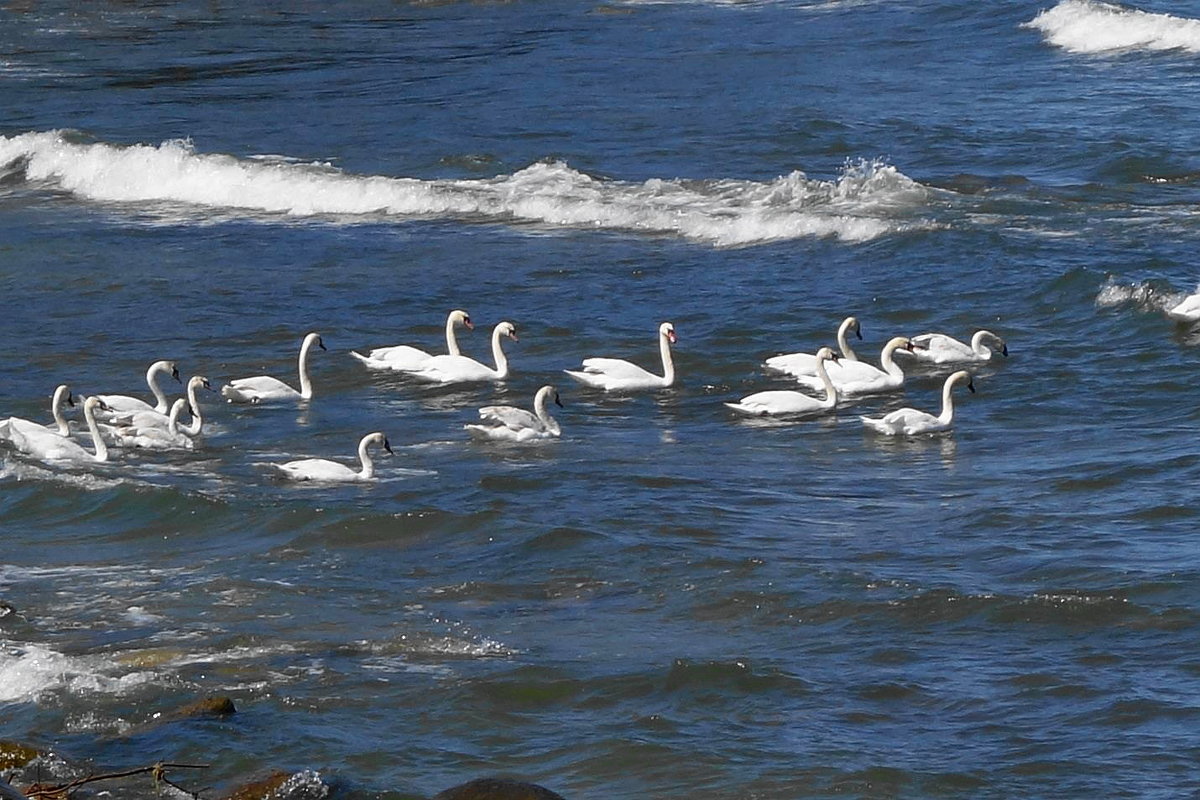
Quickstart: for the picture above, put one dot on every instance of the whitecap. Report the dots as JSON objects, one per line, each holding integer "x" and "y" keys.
{"x": 869, "y": 199}
{"x": 1088, "y": 26}
{"x": 1144, "y": 296}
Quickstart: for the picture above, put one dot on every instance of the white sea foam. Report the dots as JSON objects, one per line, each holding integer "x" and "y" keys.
{"x": 868, "y": 200}
{"x": 29, "y": 671}
{"x": 1143, "y": 296}
{"x": 1087, "y": 26}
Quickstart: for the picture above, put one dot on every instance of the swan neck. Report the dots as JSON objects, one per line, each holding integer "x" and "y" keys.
{"x": 97, "y": 440}
{"x": 364, "y": 456}
{"x": 498, "y": 355}
{"x": 161, "y": 405}
{"x": 977, "y": 345}
{"x": 831, "y": 394}
{"x": 197, "y": 421}
{"x": 947, "y": 414}
{"x": 56, "y": 410}
{"x": 451, "y": 339}
{"x": 668, "y": 362}
{"x": 888, "y": 364}
{"x": 844, "y": 343}
{"x": 306, "y": 389}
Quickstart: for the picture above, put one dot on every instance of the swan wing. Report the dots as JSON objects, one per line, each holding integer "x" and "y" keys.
{"x": 616, "y": 368}
{"x": 778, "y": 402}
{"x": 794, "y": 363}
{"x": 454, "y": 369}
{"x": 510, "y": 417}
{"x": 317, "y": 469}
{"x": 257, "y": 390}
{"x": 119, "y": 404}
{"x": 402, "y": 358}
{"x": 938, "y": 348}
{"x": 906, "y": 422}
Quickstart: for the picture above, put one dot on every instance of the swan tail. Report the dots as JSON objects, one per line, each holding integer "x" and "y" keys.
{"x": 364, "y": 359}
{"x": 586, "y": 378}
{"x": 750, "y": 411}
{"x": 235, "y": 395}
{"x": 877, "y": 424}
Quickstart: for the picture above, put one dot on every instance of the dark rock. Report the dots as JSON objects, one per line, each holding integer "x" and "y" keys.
{"x": 219, "y": 706}
{"x": 259, "y": 789}
{"x": 14, "y": 755}
{"x": 497, "y": 789}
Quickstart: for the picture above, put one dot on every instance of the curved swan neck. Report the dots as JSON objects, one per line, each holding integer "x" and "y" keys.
{"x": 540, "y": 411}
{"x": 176, "y": 411}
{"x": 977, "y": 345}
{"x": 60, "y": 394}
{"x": 885, "y": 359}
{"x": 193, "y": 403}
{"x": 498, "y": 352}
{"x": 844, "y": 343}
{"x": 306, "y": 388}
{"x": 668, "y": 362}
{"x": 451, "y": 339}
{"x": 94, "y": 429}
{"x": 947, "y": 414}
{"x": 161, "y": 403}
{"x": 831, "y": 394}
{"x": 364, "y": 456}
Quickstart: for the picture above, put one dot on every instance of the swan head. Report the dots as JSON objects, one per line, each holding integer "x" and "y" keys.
{"x": 460, "y": 317}
{"x": 827, "y": 354}
{"x": 961, "y": 376}
{"x": 545, "y": 393}
{"x": 902, "y": 343}
{"x": 667, "y": 331}
{"x": 167, "y": 367}
{"x": 851, "y": 324}
{"x": 997, "y": 342}
{"x": 313, "y": 338}
{"x": 92, "y": 403}
{"x": 379, "y": 438}
{"x": 59, "y": 397}
{"x": 507, "y": 329}
{"x": 199, "y": 382}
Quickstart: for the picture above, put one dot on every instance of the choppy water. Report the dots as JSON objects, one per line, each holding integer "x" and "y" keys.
{"x": 670, "y": 601}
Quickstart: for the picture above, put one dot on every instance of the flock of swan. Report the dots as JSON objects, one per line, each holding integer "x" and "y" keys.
{"x": 125, "y": 421}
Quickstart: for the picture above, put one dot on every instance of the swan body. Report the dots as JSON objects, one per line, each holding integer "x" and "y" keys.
{"x": 131, "y": 424}
{"x": 1186, "y": 311}
{"x": 124, "y": 404}
{"x": 405, "y": 358}
{"x": 265, "y": 389}
{"x": 938, "y": 348}
{"x": 460, "y": 369}
{"x": 511, "y": 424}
{"x": 859, "y": 377}
{"x": 320, "y": 469}
{"x": 618, "y": 375}
{"x": 806, "y": 363}
{"x": 48, "y": 445}
{"x": 911, "y": 421}
{"x": 791, "y": 402}
{"x": 14, "y": 429}
{"x": 153, "y": 437}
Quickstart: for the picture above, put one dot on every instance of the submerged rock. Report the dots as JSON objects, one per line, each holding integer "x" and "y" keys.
{"x": 280, "y": 785}
{"x": 14, "y": 755}
{"x": 219, "y": 706}
{"x": 497, "y": 789}
{"x": 260, "y": 788}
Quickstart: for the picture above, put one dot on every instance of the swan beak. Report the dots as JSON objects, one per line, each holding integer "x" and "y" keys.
{"x": 1004, "y": 350}
{"x": 387, "y": 445}
{"x": 103, "y": 406}
{"x": 557, "y": 402}
{"x": 513, "y": 335}
{"x": 321, "y": 345}
{"x": 70, "y": 400}
{"x": 468, "y": 324}
{"x": 971, "y": 386}
{"x": 671, "y": 337}
{"x": 208, "y": 385}
{"x": 911, "y": 345}
{"x": 175, "y": 374}
{"x": 858, "y": 332}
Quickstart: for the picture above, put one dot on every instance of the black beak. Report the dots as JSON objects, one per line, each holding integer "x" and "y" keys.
{"x": 175, "y": 374}
{"x": 208, "y": 385}
{"x": 1004, "y": 350}
{"x": 858, "y": 333}
{"x": 321, "y": 344}
{"x": 971, "y": 386}
{"x": 557, "y": 402}
{"x": 70, "y": 400}
{"x": 387, "y": 446}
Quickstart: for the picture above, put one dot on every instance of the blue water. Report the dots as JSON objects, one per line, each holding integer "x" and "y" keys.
{"x": 669, "y": 601}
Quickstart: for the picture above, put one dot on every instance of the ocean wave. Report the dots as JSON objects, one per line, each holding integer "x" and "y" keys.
{"x": 29, "y": 671}
{"x": 868, "y": 200}
{"x": 1145, "y": 296}
{"x": 1088, "y": 26}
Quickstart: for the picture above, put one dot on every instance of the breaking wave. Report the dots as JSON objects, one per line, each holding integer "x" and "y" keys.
{"x": 1087, "y": 26}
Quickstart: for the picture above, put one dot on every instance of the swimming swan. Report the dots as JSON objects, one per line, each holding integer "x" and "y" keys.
{"x": 859, "y": 377}
{"x": 460, "y": 369}
{"x": 320, "y": 469}
{"x": 806, "y": 363}
{"x": 942, "y": 349}
{"x": 910, "y": 421}
{"x": 511, "y": 424}
{"x": 618, "y": 375}
{"x": 48, "y": 445}
{"x": 405, "y": 358}
{"x": 791, "y": 402}
{"x": 265, "y": 389}
{"x": 124, "y": 404}
{"x": 153, "y": 437}
{"x": 1186, "y": 311}
{"x": 14, "y": 429}
{"x": 151, "y": 419}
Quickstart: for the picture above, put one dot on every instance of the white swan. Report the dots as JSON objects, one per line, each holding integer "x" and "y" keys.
{"x": 806, "y": 363}
{"x": 124, "y": 404}
{"x": 48, "y": 445}
{"x": 791, "y": 402}
{"x": 938, "y": 348}
{"x": 405, "y": 358}
{"x": 910, "y": 421}
{"x": 321, "y": 469}
{"x": 511, "y": 424}
{"x": 153, "y": 437}
{"x": 618, "y": 375}
{"x": 859, "y": 377}
{"x": 265, "y": 389}
{"x": 14, "y": 429}
{"x": 460, "y": 369}
{"x": 1188, "y": 310}
{"x": 132, "y": 424}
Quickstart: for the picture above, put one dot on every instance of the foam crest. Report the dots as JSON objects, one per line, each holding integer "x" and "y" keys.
{"x": 1087, "y": 26}
{"x": 29, "y": 671}
{"x": 868, "y": 200}
{"x": 1143, "y": 296}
